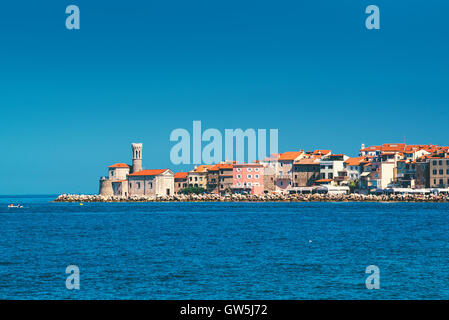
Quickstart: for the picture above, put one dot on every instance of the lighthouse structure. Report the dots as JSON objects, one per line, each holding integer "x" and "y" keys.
{"x": 116, "y": 181}
{"x": 137, "y": 157}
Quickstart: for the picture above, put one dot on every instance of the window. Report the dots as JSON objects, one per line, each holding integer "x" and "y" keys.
{"x": 249, "y": 184}
{"x": 138, "y": 185}
{"x": 150, "y": 184}
{"x": 238, "y": 169}
{"x": 434, "y": 162}
{"x": 249, "y": 169}
{"x": 256, "y": 176}
{"x": 440, "y": 162}
{"x": 249, "y": 176}
{"x": 331, "y": 175}
{"x": 256, "y": 169}
{"x": 447, "y": 162}
{"x": 239, "y": 176}
{"x": 447, "y": 171}
{"x": 434, "y": 171}
{"x": 196, "y": 178}
{"x": 441, "y": 181}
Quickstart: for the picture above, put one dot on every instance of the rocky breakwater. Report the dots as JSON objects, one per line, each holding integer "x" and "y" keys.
{"x": 256, "y": 198}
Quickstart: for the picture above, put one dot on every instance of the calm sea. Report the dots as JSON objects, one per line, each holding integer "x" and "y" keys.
{"x": 223, "y": 250}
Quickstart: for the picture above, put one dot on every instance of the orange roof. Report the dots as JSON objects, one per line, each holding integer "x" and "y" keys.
{"x": 225, "y": 166}
{"x": 307, "y": 161}
{"x": 203, "y": 168}
{"x": 393, "y": 147}
{"x": 213, "y": 168}
{"x": 181, "y": 175}
{"x": 324, "y": 180}
{"x": 322, "y": 152}
{"x": 372, "y": 148}
{"x": 152, "y": 172}
{"x": 119, "y": 165}
{"x": 354, "y": 161}
{"x": 290, "y": 155}
{"x": 221, "y": 166}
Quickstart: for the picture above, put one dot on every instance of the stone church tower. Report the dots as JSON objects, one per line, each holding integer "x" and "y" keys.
{"x": 137, "y": 157}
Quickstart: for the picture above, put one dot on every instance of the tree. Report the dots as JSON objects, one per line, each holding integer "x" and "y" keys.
{"x": 193, "y": 190}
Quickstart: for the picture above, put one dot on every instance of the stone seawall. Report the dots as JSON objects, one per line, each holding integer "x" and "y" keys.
{"x": 255, "y": 198}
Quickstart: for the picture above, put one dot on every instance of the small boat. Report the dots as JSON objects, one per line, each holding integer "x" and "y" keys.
{"x": 15, "y": 206}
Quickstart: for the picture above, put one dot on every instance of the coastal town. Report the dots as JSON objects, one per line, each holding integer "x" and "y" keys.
{"x": 392, "y": 169}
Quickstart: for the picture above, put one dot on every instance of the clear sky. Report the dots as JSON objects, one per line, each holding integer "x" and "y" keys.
{"x": 72, "y": 101}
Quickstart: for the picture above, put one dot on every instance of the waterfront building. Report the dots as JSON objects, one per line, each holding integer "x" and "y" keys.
{"x": 284, "y": 174}
{"x": 118, "y": 171}
{"x": 422, "y": 175}
{"x": 382, "y": 173}
{"x": 271, "y": 167}
{"x": 354, "y": 168}
{"x": 439, "y": 171}
{"x": 125, "y": 180}
{"x": 306, "y": 171}
{"x": 331, "y": 165}
{"x": 198, "y": 176}
{"x": 155, "y": 182}
{"x": 220, "y": 178}
{"x": 248, "y": 178}
{"x": 180, "y": 181}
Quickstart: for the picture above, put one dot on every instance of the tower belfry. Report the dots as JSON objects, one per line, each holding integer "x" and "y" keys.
{"x": 137, "y": 157}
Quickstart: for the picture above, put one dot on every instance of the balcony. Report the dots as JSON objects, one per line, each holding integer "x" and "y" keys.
{"x": 283, "y": 175}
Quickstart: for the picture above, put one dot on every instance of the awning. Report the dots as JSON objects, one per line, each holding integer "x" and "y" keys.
{"x": 364, "y": 174}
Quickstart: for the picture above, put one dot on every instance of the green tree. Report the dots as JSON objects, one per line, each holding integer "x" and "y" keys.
{"x": 353, "y": 185}
{"x": 193, "y": 190}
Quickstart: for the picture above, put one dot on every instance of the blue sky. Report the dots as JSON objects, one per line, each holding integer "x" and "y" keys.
{"x": 73, "y": 101}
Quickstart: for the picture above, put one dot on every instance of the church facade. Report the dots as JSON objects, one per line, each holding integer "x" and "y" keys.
{"x": 130, "y": 180}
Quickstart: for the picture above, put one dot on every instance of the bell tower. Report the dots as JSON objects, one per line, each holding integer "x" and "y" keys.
{"x": 137, "y": 157}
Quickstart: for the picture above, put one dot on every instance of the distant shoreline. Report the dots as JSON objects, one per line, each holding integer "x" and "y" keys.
{"x": 235, "y": 198}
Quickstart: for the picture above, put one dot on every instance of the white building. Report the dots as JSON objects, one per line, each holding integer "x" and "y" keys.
{"x": 331, "y": 165}
{"x": 156, "y": 182}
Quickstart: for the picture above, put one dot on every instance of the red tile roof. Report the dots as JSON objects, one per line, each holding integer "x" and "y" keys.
{"x": 181, "y": 175}
{"x": 119, "y": 165}
{"x": 290, "y": 155}
{"x": 307, "y": 161}
{"x": 151, "y": 172}
{"x": 372, "y": 148}
{"x": 221, "y": 166}
{"x": 323, "y": 152}
{"x": 393, "y": 147}
{"x": 354, "y": 161}
{"x": 203, "y": 168}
